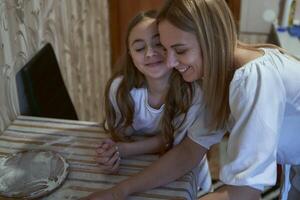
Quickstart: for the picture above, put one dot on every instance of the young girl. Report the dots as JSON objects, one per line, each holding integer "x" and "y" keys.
{"x": 140, "y": 100}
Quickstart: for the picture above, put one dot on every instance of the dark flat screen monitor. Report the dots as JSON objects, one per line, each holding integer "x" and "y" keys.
{"x": 41, "y": 89}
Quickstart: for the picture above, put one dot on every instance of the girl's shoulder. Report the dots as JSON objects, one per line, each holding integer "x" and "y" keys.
{"x": 116, "y": 82}
{"x": 114, "y": 86}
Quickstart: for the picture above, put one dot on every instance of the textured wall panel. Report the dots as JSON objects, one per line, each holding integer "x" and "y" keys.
{"x": 78, "y": 31}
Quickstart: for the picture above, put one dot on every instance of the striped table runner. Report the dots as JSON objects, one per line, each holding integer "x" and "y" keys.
{"x": 76, "y": 141}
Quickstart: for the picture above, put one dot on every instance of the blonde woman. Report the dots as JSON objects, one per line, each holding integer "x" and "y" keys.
{"x": 251, "y": 91}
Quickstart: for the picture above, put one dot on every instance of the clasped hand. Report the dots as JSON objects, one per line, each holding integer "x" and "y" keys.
{"x": 108, "y": 156}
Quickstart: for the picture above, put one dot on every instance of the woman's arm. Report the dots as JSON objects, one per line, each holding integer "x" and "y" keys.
{"x": 153, "y": 144}
{"x": 172, "y": 165}
{"x": 233, "y": 193}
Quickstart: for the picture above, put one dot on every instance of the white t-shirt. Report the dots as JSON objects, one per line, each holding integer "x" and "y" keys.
{"x": 146, "y": 121}
{"x": 264, "y": 122}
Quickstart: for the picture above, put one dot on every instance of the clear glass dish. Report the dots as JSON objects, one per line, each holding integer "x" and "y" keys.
{"x": 31, "y": 174}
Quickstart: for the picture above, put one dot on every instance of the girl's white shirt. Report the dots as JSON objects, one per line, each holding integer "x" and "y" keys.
{"x": 264, "y": 123}
{"x": 146, "y": 121}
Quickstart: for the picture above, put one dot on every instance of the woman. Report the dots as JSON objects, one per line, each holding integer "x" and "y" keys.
{"x": 251, "y": 91}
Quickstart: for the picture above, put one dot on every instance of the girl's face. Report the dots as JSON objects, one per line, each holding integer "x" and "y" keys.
{"x": 183, "y": 51}
{"x": 146, "y": 50}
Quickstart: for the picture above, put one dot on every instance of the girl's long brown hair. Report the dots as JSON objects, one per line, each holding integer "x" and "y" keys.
{"x": 177, "y": 102}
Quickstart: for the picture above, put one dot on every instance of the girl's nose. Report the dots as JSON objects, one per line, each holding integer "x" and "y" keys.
{"x": 150, "y": 52}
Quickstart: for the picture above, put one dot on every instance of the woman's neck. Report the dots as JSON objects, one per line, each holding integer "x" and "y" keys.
{"x": 245, "y": 55}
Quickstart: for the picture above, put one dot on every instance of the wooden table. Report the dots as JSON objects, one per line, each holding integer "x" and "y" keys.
{"x": 76, "y": 141}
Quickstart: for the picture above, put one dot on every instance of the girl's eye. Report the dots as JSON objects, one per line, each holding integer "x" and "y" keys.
{"x": 139, "y": 49}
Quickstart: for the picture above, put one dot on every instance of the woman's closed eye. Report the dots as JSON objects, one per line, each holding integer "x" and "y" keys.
{"x": 180, "y": 51}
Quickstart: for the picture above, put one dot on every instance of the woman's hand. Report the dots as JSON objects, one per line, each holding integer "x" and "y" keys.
{"x": 108, "y": 156}
{"x": 109, "y": 194}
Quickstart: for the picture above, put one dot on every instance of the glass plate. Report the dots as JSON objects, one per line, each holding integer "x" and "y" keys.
{"x": 31, "y": 174}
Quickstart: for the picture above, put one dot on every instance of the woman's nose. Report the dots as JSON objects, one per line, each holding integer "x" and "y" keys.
{"x": 171, "y": 61}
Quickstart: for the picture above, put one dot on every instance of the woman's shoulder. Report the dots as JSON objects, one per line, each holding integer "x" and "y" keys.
{"x": 258, "y": 76}
{"x": 267, "y": 63}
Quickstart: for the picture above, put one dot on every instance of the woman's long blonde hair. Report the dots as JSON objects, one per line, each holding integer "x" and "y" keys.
{"x": 177, "y": 102}
{"x": 212, "y": 23}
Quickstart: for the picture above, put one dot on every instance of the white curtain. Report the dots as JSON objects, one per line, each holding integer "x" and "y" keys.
{"x": 79, "y": 33}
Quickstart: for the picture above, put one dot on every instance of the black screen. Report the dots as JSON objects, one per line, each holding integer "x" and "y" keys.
{"x": 41, "y": 89}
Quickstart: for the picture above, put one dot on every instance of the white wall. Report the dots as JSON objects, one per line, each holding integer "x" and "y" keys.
{"x": 256, "y": 18}
{"x": 257, "y": 15}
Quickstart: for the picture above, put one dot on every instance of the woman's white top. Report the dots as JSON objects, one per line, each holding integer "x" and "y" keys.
{"x": 146, "y": 121}
{"x": 264, "y": 124}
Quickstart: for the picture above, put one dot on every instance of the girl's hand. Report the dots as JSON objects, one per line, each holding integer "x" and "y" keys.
{"x": 108, "y": 156}
{"x": 104, "y": 145}
{"x": 109, "y": 194}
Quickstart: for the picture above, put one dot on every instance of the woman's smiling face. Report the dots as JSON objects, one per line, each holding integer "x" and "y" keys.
{"x": 182, "y": 51}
